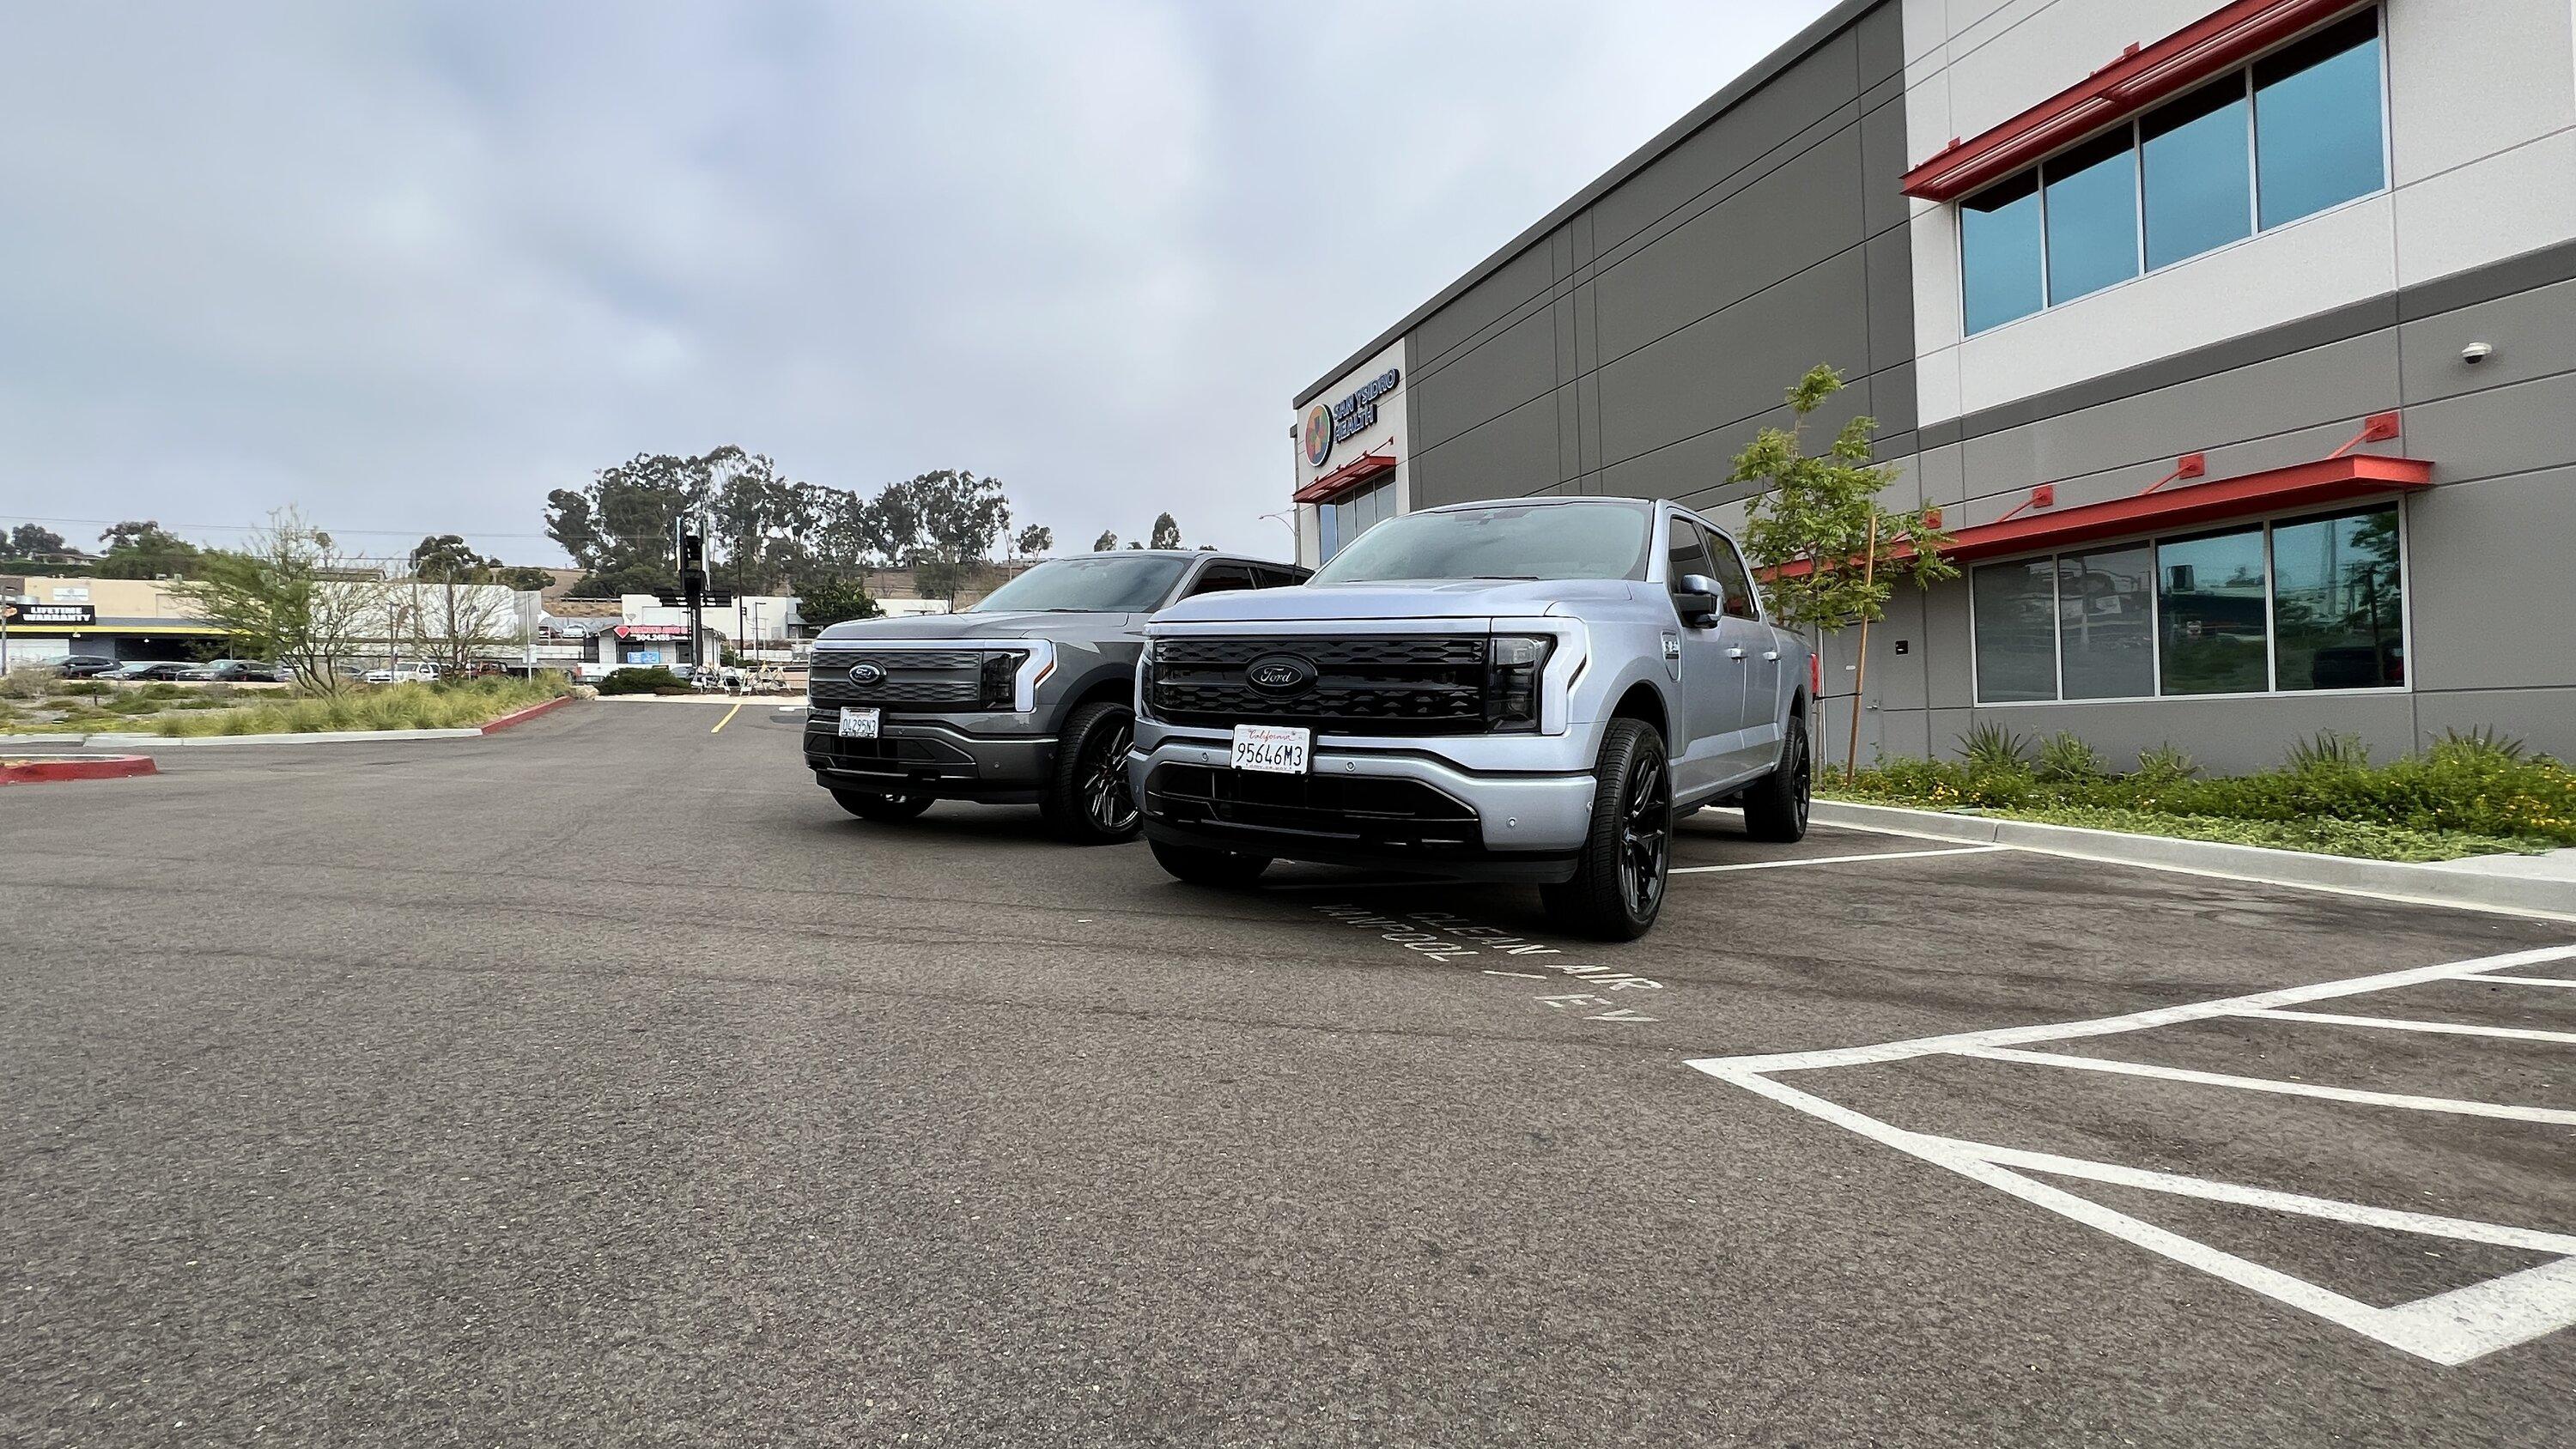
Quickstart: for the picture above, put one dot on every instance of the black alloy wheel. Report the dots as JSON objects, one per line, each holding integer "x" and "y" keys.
{"x": 1087, "y": 800}
{"x": 1777, "y": 805}
{"x": 1105, "y": 796}
{"x": 1645, "y": 833}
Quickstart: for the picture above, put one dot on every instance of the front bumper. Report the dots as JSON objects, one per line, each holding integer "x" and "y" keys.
{"x": 918, "y": 756}
{"x": 1377, "y": 804}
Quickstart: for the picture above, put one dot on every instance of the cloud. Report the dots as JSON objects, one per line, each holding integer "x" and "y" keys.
{"x": 411, "y": 267}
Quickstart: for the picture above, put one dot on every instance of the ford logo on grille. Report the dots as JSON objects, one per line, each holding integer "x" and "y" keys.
{"x": 1280, "y": 674}
{"x": 866, "y": 674}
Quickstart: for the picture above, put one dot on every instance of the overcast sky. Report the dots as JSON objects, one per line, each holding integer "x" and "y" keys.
{"x": 410, "y": 267}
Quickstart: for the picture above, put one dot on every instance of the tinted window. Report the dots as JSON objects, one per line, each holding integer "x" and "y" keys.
{"x": 1733, "y": 580}
{"x": 2106, "y": 623}
{"x": 2016, "y": 626}
{"x": 2198, "y": 173}
{"x": 2317, "y": 121}
{"x": 2092, "y": 208}
{"x": 1117, "y": 585}
{"x": 1531, "y": 541}
{"x": 2338, "y": 602}
{"x": 2211, "y": 597}
{"x": 1999, "y": 252}
{"x": 1685, "y": 552}
{"x": 1216, "y": 578}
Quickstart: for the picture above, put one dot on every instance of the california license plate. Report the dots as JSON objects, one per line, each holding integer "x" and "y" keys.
{"x": 858, "y": 724}
{"x": 1272, "y": 749}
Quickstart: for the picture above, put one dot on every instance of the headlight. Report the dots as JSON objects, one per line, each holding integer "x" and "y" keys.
{"x": 1148, "y": 665}
{"x": 1513, "y": 664}
{"x": 1001, "y": 678}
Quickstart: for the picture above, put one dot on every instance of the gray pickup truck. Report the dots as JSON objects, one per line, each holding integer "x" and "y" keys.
{"x": 1022, "y": 699}
{"x": 1525, "y": 691}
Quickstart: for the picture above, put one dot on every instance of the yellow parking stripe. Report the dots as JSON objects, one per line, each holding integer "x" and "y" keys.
{"x": 728, "y": 719}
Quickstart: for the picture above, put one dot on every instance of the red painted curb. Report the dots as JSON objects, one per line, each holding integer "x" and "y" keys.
{"x": 522, "y": 716}
{"x": 110, "y": 767}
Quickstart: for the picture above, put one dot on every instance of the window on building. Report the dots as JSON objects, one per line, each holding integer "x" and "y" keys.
{"x": 2197, "y": 173}
{"x": 1349, "y": 516}
{"x": 2335, "y": 597}
{"x": 1999, "y": 252}
{"x": 2300, "y": 130}
{"x": 2106, "y": 623}
{"x": 2317, "y": 121}
{"x": 2301, "y": 604}
{"x": 2016, "y": 645}
{"x": 2089, "y": 202}
{"x": 2213, "y": 614}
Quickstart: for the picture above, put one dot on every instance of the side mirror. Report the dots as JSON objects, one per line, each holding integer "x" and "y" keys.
{"x": 1696, "y": 600}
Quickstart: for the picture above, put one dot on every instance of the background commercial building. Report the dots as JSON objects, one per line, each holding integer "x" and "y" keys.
{"x": 2236, "y": 343}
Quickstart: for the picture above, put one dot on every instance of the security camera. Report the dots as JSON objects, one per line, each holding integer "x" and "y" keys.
{"x": 2476, "y": 352}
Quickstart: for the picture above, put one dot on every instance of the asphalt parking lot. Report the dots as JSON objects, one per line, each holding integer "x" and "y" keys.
{"x": 602, "y": 1082}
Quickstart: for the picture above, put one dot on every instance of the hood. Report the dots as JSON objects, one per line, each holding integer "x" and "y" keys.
{"x": 1428, "y": 599}
{"x": 1034, "y": 624}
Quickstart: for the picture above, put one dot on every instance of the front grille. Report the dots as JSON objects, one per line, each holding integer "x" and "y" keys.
{"x": 1392, "y": 684}
{"x": 1365, "y": 808}
{"x": 920, "y": 679}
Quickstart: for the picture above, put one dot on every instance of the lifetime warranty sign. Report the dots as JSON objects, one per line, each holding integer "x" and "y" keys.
{"x": 50, "y": 613}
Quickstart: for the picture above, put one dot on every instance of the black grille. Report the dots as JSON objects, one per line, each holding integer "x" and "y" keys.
{"x": 1363, "y": 808}
{"x": 1392, "y": 684}
{"x": 915, "y": 679}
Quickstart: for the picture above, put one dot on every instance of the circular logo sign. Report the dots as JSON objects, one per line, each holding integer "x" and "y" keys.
{"x": 1318, "y": 435}
{"x": 866, "y": 674}
{"x": 1280, "y": 674}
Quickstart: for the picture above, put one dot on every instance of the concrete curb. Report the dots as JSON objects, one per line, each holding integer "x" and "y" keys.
{"x": 522, "y": 716}
{"x": 46, "y": 772}
{"x": 2379, "y": 879}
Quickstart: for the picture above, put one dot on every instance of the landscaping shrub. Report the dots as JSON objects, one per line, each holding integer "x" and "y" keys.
{"x": 2464, "y": 795}
{"x": 653, "y": 680}
{"x": 462, "y": 705}
{"x": 26, "y": 684}
{"x": 2064, "y": 758}
{"x": 1991, "y": 746}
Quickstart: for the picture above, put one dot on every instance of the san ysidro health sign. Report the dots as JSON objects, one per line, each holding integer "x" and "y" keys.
{"x": 1339, "y": 422}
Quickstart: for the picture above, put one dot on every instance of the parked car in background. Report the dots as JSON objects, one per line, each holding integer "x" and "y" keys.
{"x": 1522, "y": 691}
{"x": 1025, "y": 698}
{"x": 141, "y": 670}
{"x": 419, "y": 673}
{"x": 84, "y": 666}
{"x": 241, "y": 671}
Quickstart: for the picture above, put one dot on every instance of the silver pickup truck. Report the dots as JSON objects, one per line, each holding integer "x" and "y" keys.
{"x": 1525, "y": 691}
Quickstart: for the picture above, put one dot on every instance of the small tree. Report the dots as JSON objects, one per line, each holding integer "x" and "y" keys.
{"x": 825, "y": 601}
{"x": 1107, "y": 540}
{"x": 289, "y": 594}
{"x": 1831, "y": 552}
{"x": 1166, "y": 534}
{"x": 1033, "y": 540}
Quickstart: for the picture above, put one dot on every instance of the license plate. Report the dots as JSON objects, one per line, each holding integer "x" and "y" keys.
{"x": 1272, "y": 749}
{"x": 858, "y": 724}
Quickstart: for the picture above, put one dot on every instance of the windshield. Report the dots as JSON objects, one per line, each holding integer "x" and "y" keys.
{"x": 1102, "y": 584}
{"x": 1507, "y": 541}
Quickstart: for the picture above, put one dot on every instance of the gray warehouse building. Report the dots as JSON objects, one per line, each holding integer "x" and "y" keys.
{"x": 2236, "y": 343}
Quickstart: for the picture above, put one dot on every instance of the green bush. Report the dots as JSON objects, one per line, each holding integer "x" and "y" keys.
{"x": 2064, "y": 758}
{"x": 653, "y": 680}
{"x": 1991, "y": 746}
{"x": 26, "y": 684}
{"x": 462, "y": 705}
{"x": 2464, "y": 795}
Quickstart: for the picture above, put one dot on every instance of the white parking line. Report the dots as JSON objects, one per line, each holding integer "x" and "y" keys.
{"x": 2393, "y": 1023}
{"x": 2458, "y": 1108}
{"x": 2452, "y": 1327}
{"x": 2563, "y": 982}
{"x": 1837, "y": 859}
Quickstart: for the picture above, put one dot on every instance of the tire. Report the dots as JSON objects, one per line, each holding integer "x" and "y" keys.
{"x": 869, "y": 805}
{"x": 1205, "y": 867}
{"x": 1619, "y": 879}
{"x": 1775, "y": 806}
{"x": 1087, "y": 799}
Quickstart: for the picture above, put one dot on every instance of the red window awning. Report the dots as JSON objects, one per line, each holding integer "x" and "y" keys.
{"x": 2168, "y": 510}
{"x": 2141, "y": 77}
{"x": 1352, "y": 475}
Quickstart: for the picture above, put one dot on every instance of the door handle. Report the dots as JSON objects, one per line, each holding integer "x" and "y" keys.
{"x": 1734, "y": 652}
{"x": 1771, "y": 656}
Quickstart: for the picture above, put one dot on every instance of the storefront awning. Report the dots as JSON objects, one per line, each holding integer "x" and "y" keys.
{"x": 1351, "y": 475}
{"x": 2165, "y": 510}
{"x": 2139, "y": 78}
